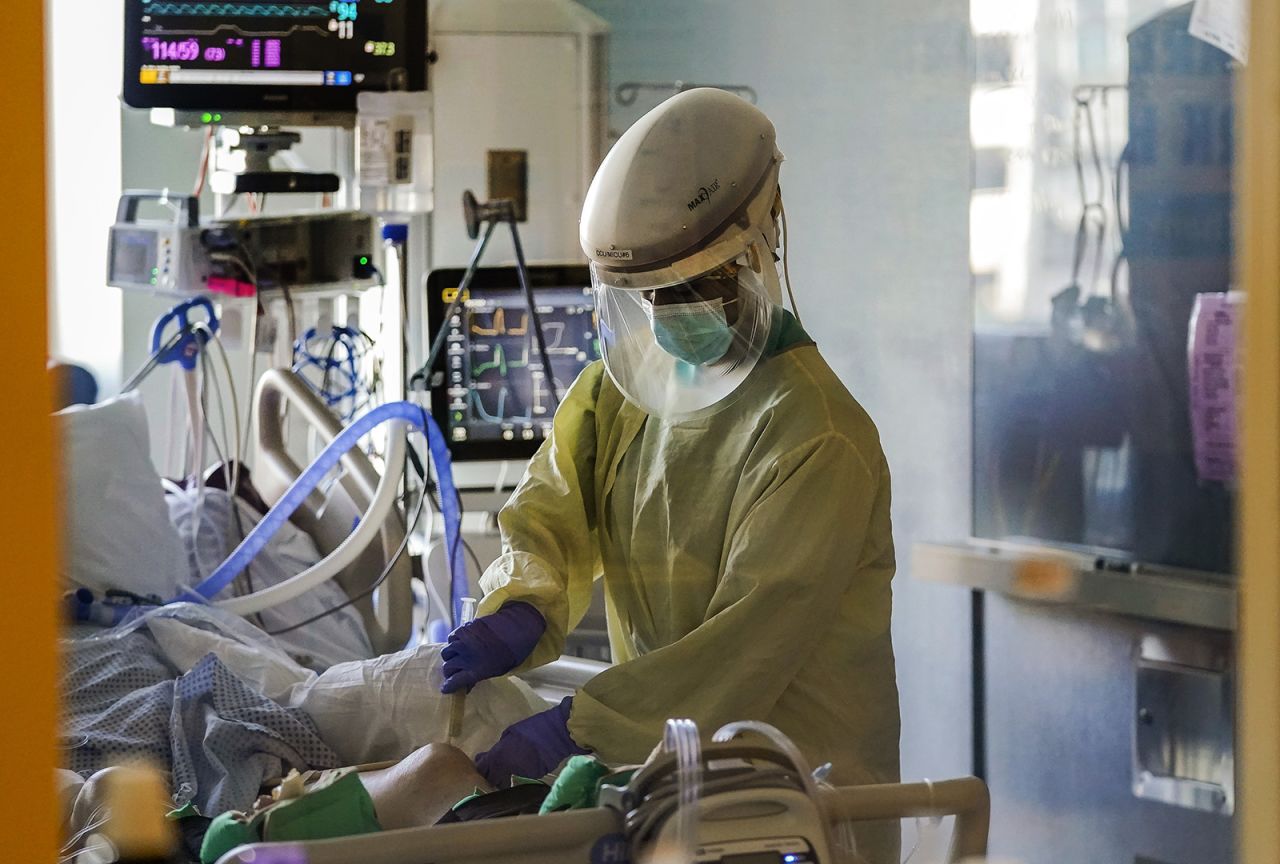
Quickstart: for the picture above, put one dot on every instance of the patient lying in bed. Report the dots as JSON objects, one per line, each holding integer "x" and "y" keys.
{"x": 128, "y": 530}
{"x": 218, "y": 704}
{"x": 210, "y": 697}
{"x": 215, "y": 703}
{"x": 415, "y": 792}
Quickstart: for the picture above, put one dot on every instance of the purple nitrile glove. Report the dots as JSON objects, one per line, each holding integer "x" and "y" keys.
{"x": 491, "y": 645}
{"x": 530, "y": 748}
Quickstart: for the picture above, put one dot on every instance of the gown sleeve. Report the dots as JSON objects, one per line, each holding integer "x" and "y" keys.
{"x": 549, "y": 557}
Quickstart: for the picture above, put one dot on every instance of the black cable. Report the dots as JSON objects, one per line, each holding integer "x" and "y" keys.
{"x": 416, "y": 461}
{"x": 423, "y": 471}
{"x": 291, "y": 314}
{"x": 116, "y": 594}
{"x": 375, "y": 373}
{"x": 522, "y": 271}
{"x": 374, "y": 586}
{"x": 475, "y": 559}
{"x": 329, "y": 354}
{"x": 437, "y": 344}
{"x": 430, "y": 487}
{"x": 251, "y": 265}
{"x": 1100, "y": 206}
{"x": 242, "y": 266}
{"x": 1082, "y": 123}
{"x": 1122, "y": 226}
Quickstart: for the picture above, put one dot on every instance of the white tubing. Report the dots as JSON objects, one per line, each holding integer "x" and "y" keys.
{"x": 732, "y": 730}
{"x": 792, "y": 752}
{"x": 196, "y": 421}
{"x": 681, "y": 738}
{"x": 349, "y": 550}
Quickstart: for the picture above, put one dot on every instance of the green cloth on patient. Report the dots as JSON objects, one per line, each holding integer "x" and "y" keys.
{"x": 337, "y": 805}
{"x": 576, "y": 786}
{"x": 226, "y": 832}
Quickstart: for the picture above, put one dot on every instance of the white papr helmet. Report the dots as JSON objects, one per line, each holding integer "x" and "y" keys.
{"x": 689, "y": 191}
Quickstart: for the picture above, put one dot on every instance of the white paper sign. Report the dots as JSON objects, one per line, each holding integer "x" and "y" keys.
{"x": 1223, "y": 24}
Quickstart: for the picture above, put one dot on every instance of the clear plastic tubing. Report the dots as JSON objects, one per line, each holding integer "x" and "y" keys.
{"x": 681, "y": 738}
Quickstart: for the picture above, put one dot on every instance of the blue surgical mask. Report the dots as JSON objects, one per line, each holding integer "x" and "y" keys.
{"x": 697, "y": 332}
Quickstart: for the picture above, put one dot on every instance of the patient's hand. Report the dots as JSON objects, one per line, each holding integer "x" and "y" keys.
{"x": 422, "y": 787}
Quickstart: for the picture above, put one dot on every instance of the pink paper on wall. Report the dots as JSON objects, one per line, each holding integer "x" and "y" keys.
{"x": 1212, "y": 365}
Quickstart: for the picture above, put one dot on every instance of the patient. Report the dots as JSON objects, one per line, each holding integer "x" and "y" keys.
{"x": 415, "y": 792}
{"x": 157, "y": 537}
{"x": 209, "y": 697}
{"x": 210, "y": 700}
{"x": 216, "y": 702}
{"x": 421, "y": 788}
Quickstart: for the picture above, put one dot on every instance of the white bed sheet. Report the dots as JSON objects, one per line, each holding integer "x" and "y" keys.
{"x": 367, "y": 711}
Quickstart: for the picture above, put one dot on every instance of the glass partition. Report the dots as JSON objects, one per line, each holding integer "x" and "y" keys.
{"x": 1100, "y": 223}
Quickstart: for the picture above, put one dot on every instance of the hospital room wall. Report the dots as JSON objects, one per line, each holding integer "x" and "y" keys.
{"x": 85, "y": 316}
{"x": 871, "y": 104}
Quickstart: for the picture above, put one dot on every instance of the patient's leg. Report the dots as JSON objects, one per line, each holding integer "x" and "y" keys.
{"x": 384, "y": 709}
{"x": 422, "y": 787}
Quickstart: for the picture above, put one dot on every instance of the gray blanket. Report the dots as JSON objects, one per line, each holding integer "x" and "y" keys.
{"x": 218, "y": 737}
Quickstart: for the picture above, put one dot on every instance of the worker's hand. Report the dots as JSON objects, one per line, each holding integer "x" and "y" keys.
{"x": 491, "y": 645}
{"x": 531, "y": 748}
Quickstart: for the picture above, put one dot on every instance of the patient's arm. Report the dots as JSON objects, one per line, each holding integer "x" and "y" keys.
{"x": 422, "y": 787}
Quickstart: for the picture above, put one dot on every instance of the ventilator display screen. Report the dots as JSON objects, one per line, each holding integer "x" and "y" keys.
{"x": 493, "y": 396}
{"x": 241, "y": 55}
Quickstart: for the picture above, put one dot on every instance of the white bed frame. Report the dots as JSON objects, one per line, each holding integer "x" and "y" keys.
{"x": 388, "y": 612}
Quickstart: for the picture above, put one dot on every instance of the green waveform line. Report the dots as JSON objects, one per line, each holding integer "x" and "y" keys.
{"x": 501, "y": 363}
{"x": 237, "y": 10}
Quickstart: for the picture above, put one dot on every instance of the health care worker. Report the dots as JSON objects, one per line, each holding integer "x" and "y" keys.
{"x": 713, "y": 471}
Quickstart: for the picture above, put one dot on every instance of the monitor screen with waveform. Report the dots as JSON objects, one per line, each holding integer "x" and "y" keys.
{"x": 241, "y": 55}
{"x": 495, "y": 399}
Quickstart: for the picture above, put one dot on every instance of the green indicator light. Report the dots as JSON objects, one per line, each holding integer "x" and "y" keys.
{"x": 206, "y": 117}
{"x": 217, "y": 118}
{"x": 155, "y": 270}
{"x": 363, "y": 260}
{"x": 153, "y": 280}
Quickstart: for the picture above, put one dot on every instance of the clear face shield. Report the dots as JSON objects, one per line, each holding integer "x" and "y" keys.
{"x": 679, "y": 341}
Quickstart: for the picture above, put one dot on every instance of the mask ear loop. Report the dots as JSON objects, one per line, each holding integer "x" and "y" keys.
{"x": 786, "y": 271}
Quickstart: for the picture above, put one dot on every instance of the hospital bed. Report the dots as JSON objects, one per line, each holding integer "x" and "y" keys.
{"x": 387, "y": 612}
{"x": 583, "y": 835}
